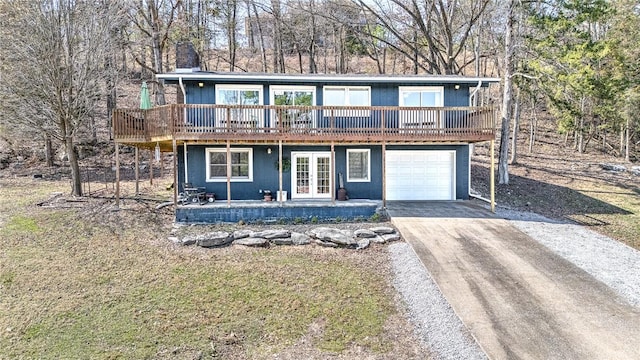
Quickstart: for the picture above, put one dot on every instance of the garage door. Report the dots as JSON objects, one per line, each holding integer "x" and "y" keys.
{"x": 420, "y": 175}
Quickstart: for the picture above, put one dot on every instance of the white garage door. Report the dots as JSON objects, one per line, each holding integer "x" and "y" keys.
{"x": 420, "y": 175}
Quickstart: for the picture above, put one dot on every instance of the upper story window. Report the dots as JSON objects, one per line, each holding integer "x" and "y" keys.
{"x": 293, "y": 96}
{"x": 239, "y": 95}
{"x": 421, "y": 97}
{"x": 348, "y": 96}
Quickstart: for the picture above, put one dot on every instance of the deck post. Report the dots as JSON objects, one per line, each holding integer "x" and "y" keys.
{"x": 117, "y": 174}
{"x": 492, "y": 177}
{"x": 137, "y": 164}
{"x": 186, "y": 173}
{"x": 333, "y": 174}
{"x": 175, "y": 172}
{"x": 280, "y": 171}
{"x": 384, "y": 174}
{"x": 228, "y": 173}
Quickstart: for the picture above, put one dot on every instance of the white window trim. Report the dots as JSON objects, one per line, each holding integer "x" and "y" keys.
{"x": 403, "y": 89}
{"x": 272, "y": 99}
{"x": 347, "y": 113}
{"x": 346, "y": 89}
{"x": 368, "y": 179}
{"x": 258, "y": 88}
{"x": 224, "y": 179}
{"x": 274, "y": 88}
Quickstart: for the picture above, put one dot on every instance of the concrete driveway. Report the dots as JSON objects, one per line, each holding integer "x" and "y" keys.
{"x": 518, "y": 299}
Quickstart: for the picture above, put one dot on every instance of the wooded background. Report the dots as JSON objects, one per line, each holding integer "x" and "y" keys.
{"x": 65, "y": 63}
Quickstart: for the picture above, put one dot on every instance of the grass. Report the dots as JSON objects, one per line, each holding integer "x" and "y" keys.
{"x": 102, "y": 284}
{"x": 624, "y": 224}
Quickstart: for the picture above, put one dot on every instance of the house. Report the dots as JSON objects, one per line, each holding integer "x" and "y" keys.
{"x": 382, "y": 137}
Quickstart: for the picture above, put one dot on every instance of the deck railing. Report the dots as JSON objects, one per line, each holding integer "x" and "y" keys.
{"x": 304, "y": 123}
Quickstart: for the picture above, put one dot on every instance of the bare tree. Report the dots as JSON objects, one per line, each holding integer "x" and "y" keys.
{"x": 503, "y": 166}
{"x": 55, "y": 51}
{"x": 432, "y": 33}
{"x": 154, "y": 20}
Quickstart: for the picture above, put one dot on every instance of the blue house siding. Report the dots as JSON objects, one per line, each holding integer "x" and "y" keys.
{"x": 265, "y": 172}
{"x": 271, "y": 212}
{"x": 381, "y": 94}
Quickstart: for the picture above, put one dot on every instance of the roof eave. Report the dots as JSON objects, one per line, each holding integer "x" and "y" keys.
{"x": 451, "y": 79}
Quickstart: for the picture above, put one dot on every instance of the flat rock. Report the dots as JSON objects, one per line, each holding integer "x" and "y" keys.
{"x": 378, "y": 240}
{"x": 273, "y": 234}
{"x": 364, "y": 233}
{"x": 613, "y": 167}
{"x": 326, "y": 243}
{"x": 635, "y": 170}
{"x": 300, "y": 239}
{"x": 363, "y": 243}
{"x": 212, "y": 239}
{"x": 251, "y": 241}
{"x": 381, "y": 230}
{"x": 175, "y": 240}
{"x": 241, "y": 234}
{"x": 390, "y": 237}
{"x": 282, "y": 241}
{"x": 333, "y": 235}
{"x": 187, "y": 241}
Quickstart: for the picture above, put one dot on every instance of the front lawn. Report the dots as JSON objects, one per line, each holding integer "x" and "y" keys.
{"x": 90, "y": 282}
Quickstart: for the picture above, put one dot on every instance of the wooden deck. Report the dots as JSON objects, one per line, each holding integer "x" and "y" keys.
{"x": 298, "y": 124}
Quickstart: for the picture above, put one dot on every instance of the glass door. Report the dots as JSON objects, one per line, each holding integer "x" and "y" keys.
{"x": 311, "y": 175}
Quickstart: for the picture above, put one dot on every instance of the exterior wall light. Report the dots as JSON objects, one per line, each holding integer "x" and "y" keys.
{"x": 268, "y": 150}
{"x": 201, "y": 84}
{"x": 456, "y": 86}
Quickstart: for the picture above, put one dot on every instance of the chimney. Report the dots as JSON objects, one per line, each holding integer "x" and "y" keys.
{"x": 187, "y": 59}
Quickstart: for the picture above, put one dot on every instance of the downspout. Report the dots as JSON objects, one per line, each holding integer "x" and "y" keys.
{"x": 471, "y": 146}
{"x": 473, "y": 94}
{"x": 184, "y": 92}
{"x": 184, "y": 97}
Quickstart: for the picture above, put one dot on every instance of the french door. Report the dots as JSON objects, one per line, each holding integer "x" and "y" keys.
{"x": 311, "y": 175}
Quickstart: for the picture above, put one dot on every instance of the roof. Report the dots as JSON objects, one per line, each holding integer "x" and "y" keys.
{"x": 189, "y": 75}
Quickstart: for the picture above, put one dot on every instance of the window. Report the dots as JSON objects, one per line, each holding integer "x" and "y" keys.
{"x": 241, "y": 165}
{"x": 348, "y": 96}
{"x": 239, "y": 95}
{"x": 293, "y": 96}
{"x": 358, "y": 165}
{"x": 427, "y": 96}
{"x": 424, "y": 97}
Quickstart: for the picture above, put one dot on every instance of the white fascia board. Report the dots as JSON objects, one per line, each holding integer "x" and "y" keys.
{"x": 327, "y": 78}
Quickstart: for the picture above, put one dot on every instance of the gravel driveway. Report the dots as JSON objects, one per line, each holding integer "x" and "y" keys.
{"x": 611, "y": 263}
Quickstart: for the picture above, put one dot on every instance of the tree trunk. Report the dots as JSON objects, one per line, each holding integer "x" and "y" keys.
{"x": 76, "y": 181}
{"x": 516, "y": 125}
{"x": 278, "y": 52}
{"x": 312, "y": 45}
{"x": 263, "y": 50}
{"x": 48, "y": 150}
{"x": 503, "y": 166}
{"x": 622, "y": 139}
{"x": 581, "y": 128}
{"x": 532, "y": 127}
{"x": 627, "y": 156}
